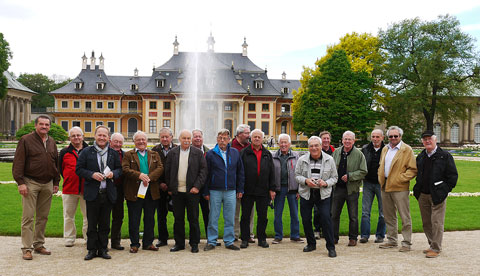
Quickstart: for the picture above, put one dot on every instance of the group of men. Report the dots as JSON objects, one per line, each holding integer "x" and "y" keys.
{"x": 236, "y": 174}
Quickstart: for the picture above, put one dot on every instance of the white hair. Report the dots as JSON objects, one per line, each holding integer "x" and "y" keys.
{"x": 310, "y": 140}
{"x": 197, "y": 130}
{"x": 241, "y": 128}
{"x": 139, "y": 133}
{"x": 117, "y": 134}
{"x": 348, "y": 132}
{"x": 75, "y": 128}
{"x": 284, "y": 136}
{"x": 400, "y": 131}
{"x": 377, "y": 130}
{"x": 166, "y": 129}
{"x": 185, "y": 131}
{"x": 257, "y": 130}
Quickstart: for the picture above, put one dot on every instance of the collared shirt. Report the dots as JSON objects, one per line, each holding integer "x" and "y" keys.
{"x": 284, "y": 168}
{"x": 142, "y": 152}
{"x": 166, "y": 150}
{"x": 433, "y": 152}
{"x": 224, "y": 155}
{"x": 390, "y": 155}
{"x": 258, "y": 154}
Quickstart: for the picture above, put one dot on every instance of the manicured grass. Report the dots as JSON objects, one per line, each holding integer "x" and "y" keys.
{"x": 462, "y": 214}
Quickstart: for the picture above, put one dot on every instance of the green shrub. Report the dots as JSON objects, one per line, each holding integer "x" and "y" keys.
{"x": 56, "y": 131}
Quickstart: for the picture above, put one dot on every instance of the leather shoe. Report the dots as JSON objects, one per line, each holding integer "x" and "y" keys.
{"x": 309, "y": 248}
{"x": 208, "y": 247}
{"x": 219, "y": 244}
{"x": 244, "y": 244}
{"x": 232, "y": 247}
{"x": 194, "y": 248}
{"x": 104, "y": 254}
{"x": 27, "y": 255}
{"x": 332, "y": 253}
{"x": 90, "y": 255}
{"x": 363, "y": 240}
{"x": 161, "y": 243}
{"x": 263, "y": 244}
{"x": 151, "y": 247}
{"x": 352, "y": 243}
{"x": 251, "y": 240}
{"x": 432, "y": 254}
{"x": 42, "y": 251}
{"x": 117, "y": 246}
{"x": 133, "y": 249}
{"x": 176, "y": 248}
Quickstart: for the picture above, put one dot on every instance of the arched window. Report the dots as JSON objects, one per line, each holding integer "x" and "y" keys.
{"x": 437, "y": 129}
{"x": 476, "y": 134}
{"x": 454, "y": 133}
{"x": 228, "y": 125}
{"x": 284, "y": 127}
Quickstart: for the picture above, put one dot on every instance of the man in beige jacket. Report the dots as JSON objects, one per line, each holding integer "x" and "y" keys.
{"x": 397, "y": 168}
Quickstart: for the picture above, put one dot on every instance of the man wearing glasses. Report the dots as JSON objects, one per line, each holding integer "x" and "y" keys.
{"x": 397, "y": 168}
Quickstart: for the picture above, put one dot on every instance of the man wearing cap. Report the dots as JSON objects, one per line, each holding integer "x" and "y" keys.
{"x": 437, "y": 176}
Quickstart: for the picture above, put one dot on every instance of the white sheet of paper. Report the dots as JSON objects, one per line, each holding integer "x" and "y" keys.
{"x": 142, "y": 190}
{"x": 106, "y": 171}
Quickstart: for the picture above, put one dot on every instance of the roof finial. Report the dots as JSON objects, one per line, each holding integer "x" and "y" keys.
{"x": 244, "y": 47}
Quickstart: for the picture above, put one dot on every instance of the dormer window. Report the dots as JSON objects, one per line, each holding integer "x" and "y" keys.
{"x": 160, "y": 83}
{"x": 134, "y": 87}
{"x": 100, "y": 85}
{"x": 259, "y": 84}
{"x": 78, "y": 85}
{"x": 285, "y": 90}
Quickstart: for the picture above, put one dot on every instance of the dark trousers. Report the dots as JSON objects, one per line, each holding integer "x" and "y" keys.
{"x": 262, "y": 203}
{"x": 323, "y": 207}
{"x": 340, "y": 196}
{"x": 190, "y": 202}
{"x": 98, "y": 216}
{"x": 162, "y": 212}
{"x": 117, "y": 217}
{"x": 135, "y": 208}
{"x": 205, "y": 212}
{"x": 316, "y": 216}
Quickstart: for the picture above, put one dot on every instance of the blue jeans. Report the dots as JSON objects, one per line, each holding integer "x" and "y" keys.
{"x": 229, "y": 202}
{"x": 293, "y": 205}
{"x": 370, "y": 190}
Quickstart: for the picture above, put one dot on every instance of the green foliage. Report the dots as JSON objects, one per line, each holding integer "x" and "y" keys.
{"x": 431, "y": 66}
{"x": 5, "y": 56}
{"x": 42, "y": 85}
{"x": 56, "y": 131}
{"x": 334, "y": 98}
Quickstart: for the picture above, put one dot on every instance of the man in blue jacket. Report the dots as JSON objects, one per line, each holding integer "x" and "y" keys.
{"x": 224, "y": 184}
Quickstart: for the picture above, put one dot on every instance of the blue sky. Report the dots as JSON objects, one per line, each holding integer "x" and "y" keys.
{"x": 50, "y": 36}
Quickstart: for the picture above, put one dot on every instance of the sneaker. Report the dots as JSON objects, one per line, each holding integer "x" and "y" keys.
{"x": 69, "y": 244}
{"x": 387, "y": 245}
{"x": 208, "y": 247}
{"x": 297, "y": 240}
{"x": 364, "y": 240}
{"x": 432, "y": 254}
{"x": 276, "y": 241}
{"x": 405, "y": 249}
{"x": 378, "y": 240}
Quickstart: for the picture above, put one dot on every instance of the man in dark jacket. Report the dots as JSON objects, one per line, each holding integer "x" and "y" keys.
{"x": 197, "y": 141}
{"x": 166, "y": 138}
{"x": 99, "y": 165}
{"x": 186, "y": 170}
{"x": 437, "y": 176}
{"x": 224, "y": 184}
{"x": 72, "y": 190}
{"x": 116, "y": 143}
{"x": 259, "y": 187}
{"x": 371, "y": 188}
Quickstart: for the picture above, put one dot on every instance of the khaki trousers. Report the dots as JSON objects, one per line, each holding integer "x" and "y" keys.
{"x": 236, "y": 225}
{"x": 36, "y": 204}
{"x": 433, "y": 219}
{"x": 70, "y": 203}
{"x": 393, "y": 202}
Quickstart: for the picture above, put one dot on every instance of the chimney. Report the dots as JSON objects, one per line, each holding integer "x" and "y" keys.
{"x": 284, "y": 76}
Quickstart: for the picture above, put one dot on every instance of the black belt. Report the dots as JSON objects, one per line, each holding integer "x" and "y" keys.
{"x": 102, "y": 191}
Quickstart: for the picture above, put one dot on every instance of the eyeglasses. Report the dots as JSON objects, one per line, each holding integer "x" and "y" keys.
{"x": 393, "y": 136}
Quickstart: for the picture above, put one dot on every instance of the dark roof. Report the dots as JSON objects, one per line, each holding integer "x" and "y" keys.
{"x": 14, "y": 84}
{"x": 186, "y": 72}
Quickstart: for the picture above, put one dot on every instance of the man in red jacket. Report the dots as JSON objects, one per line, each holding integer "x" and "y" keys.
{"x": 72, "y": 191}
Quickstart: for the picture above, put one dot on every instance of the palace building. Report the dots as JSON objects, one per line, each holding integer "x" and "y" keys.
{"x": 206, "y": 90}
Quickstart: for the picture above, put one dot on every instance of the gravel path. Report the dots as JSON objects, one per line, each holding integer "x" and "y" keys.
{"x": 461, "y": 256}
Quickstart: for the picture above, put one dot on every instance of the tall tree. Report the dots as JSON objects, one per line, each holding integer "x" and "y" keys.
{"x": 5, "y": 56}
{"x": 431, "y": 66}
{"x": 41, "y": 84}
{"x": 334, "y": 98}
